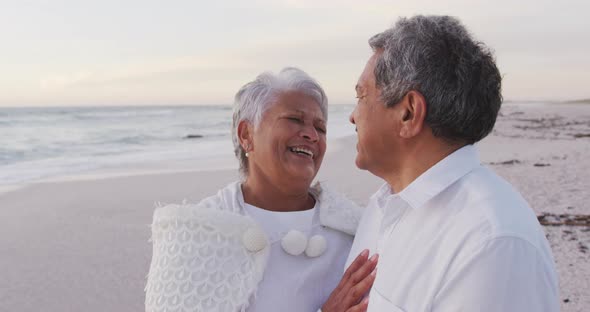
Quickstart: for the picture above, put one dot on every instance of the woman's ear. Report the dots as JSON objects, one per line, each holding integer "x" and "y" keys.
{"x": 245, "y": 130}
{"x": 413, "y": 114}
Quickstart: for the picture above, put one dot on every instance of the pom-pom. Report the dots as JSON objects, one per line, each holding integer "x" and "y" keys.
{"x": 316, "y": 246}
{"x": 254, "y": 239}
{"x": 294, "y": 242}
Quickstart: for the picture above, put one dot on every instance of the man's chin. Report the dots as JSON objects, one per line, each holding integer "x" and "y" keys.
{"x": 360, "y": 163}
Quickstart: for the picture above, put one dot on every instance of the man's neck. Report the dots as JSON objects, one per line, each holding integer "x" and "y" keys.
{"x": 418, "y": 160}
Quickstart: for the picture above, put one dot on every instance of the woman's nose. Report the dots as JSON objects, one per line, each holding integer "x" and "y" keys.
{"x": 310, "y": 133}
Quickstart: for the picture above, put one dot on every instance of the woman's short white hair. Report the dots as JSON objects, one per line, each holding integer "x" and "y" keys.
{"x": 257, "y": 96}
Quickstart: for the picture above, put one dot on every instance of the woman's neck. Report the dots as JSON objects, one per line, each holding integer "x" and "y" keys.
{"x": 270, "y": 196}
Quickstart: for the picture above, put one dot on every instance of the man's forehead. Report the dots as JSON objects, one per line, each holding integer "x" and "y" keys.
{"x": 368, "y": 74}
{"x": 366, "y": 77}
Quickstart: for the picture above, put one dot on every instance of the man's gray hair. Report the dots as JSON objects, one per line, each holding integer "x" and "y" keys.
{"x": 257, "y": 96}
{"x": 458, "y": 77}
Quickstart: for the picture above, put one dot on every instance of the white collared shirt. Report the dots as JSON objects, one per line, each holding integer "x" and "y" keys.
{"x": 458, "y": 238}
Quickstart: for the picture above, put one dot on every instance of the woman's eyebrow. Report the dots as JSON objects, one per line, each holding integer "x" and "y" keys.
{"x": 302, "y": 113}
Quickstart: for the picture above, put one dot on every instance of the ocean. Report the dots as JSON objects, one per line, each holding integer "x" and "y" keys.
{"x": 44, "y": 143}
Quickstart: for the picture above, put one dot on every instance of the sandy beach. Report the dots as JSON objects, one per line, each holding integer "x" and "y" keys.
{"x": 81, "y": 244}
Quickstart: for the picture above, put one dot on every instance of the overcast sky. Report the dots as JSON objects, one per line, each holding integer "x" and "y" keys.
{"x": 131, "y": 52}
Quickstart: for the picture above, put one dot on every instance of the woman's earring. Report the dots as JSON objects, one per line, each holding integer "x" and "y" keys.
{"x": 247, "y": 151}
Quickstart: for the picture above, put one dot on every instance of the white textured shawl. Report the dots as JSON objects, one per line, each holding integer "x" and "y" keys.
{"x": 199, "y": 262}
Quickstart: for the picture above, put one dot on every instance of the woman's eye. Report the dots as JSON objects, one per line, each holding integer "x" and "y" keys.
{"x": 321, "y": 130}
{"x": 296, "y": 119}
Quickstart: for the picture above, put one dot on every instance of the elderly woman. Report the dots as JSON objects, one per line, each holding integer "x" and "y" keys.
{"x": 269, "y": 242}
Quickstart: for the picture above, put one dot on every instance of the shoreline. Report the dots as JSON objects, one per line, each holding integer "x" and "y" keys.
{"x": 228, "y": 161}
{"x": 194, "y": 165}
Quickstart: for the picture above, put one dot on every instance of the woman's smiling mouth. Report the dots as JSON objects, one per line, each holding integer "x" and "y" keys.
{"x": 301, "y": 151}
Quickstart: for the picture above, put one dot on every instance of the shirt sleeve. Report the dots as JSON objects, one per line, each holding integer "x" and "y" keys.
{"x": 505, "y": 274}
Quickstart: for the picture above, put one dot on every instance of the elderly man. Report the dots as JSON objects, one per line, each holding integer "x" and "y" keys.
{"x": 451, "y": 234}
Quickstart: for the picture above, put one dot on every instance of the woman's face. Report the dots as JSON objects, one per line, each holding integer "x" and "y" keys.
{"x": 289, "y": 143}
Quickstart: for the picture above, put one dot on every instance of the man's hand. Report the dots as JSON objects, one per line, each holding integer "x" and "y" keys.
{"x": 355, "y": 283}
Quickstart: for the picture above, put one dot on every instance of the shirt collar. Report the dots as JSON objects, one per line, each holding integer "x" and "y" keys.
{"x": 436, "y": 179}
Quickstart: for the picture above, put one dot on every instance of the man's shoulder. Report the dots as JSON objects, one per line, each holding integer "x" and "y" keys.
{"x": 494, "y": 207}
{"x": 485, "y": 182}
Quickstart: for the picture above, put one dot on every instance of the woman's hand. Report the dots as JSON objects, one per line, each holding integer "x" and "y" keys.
{"x": 355, "y": 283}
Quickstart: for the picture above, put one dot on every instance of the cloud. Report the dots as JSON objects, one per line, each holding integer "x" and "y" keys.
{"x": 203, "y": 52}
{"x": 145, "y": 70}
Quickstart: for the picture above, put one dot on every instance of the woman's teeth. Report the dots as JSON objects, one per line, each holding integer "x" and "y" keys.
{"x": 301, "y": 150}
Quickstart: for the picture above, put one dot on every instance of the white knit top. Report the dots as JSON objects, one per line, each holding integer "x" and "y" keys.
{"x": 201, "y": 261}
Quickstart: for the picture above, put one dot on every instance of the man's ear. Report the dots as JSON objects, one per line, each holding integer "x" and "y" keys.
{"x": 245, "y": 132}
{"x": 413, "y": 113}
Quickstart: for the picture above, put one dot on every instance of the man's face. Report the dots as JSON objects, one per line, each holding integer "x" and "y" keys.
{"x": 374, "y": 123}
